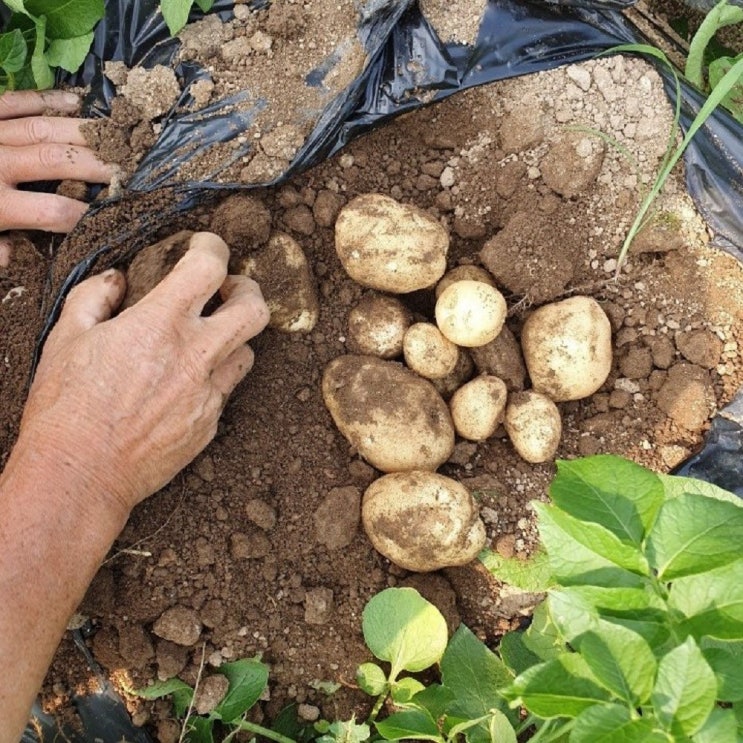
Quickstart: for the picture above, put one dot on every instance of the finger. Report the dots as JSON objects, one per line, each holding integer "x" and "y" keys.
{"x": 227, "y": 375}
{"x": 91, "y": 302}
{"x": 24, "y": 210}
{"x": 51, "y": 162}
{"x": 242, "y": 316}
{"x": 196, "y": 277}
{"x": 6, "y": 253}
{"x": 39, "y": 129}
{"x": 15, "y": 104}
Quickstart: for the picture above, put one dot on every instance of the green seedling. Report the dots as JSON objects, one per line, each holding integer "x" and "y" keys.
{"x": 42, "y": 35}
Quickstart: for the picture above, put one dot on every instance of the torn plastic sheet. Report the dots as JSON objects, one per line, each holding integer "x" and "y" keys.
{"x": 408, "y": 66}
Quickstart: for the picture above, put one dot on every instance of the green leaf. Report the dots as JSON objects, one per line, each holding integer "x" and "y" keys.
{"x": 620, "y": 660}
{"x": 571, "y": 614}
{"x": 473, "y": 673}
{"x": 163, "y": 688}
{"x": 404, "y": 689}
{"x": 654, "y": 630}
{"x": 582, "y": 552}
{"x": 205, "y": 5}
{"x": 618, "y": 494}
{"x": 712, "y": 602}
{"x": 12, "y": 51}
{"x": 726, "y": 664}
{"x": 720, "y": 727}
{"x": 69, "y": 54}
{"x": 624, "y": 602}
{"x": 733, "y": 101}
{"x": 500, "y": 729}
{"x": 248, "y": 678}
{"x": 415, "y": 724}
{"x": 543, "y": 638}
{"x": 435, "y": 699}
{"x": 563, "y": 687}
{"x": 175, "y": 13}
{"x": 370, "y": 677}
{"x": 609, "y": 723}
{"x": 515, "y": 654}
{"x": 401, "y": 627}
{"x": 675, "y": 485}
{"x": 533, "y": 575}
{"x": 343, "y": 732}
{"x": 66, "y": 19}
{"x": 16, "y": 6}
{"x": 694, "y": 534}
{"x": 43, "y": 76}
{"x": 200, "y": 730}
{"x": 685, "y": 689}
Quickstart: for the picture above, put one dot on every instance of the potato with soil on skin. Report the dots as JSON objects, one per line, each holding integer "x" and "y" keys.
{"x": 567, "y": 348}
{"x": 462, "y": 273}
{"x": 377, "y": 325}
{"x": 428, "y": 353}
{"x": 390, "y": 246}
{"x": 284, "y": 275}
{"x": 477, "y": 407}
{"x": 462, "y": 372}
{"x": 470, "y": 313}
{"x": 422, "y": 521}
{"x": 394, "y": 418}
{"x": 533, "y": 424}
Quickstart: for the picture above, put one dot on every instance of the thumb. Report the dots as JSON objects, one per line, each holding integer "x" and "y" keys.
{"x": 91, "y": 302}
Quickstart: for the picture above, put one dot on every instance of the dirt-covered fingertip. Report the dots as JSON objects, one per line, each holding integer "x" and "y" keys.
{"x": 211, "y": 242}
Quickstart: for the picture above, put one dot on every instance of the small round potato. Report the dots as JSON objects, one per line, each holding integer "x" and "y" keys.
{"x": 422, "y": 521}
{"x": 377, "y": 325}
{"x": 394, "y": 418}
{"x": 477, "y": 407}
{"x": 567, "y": 348}
{"x": 390, "y": 246}
{"x": 470, "y": 313}
{"x": 460, "y": 273}
{"x": 534, "y": 426}
{"x": 428, "y": 353}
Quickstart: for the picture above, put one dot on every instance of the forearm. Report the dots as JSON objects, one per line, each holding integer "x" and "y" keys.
{"x": 54, "y": 533}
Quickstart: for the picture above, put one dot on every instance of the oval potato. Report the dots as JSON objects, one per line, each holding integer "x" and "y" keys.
{"x": 422, "y": 521}
{"x": 390, "y": 246}
{"x": 533, "y": 424}
{"x": 428, "y": 353}
{"x": 567, "y": 348}
{"x": 477, "y": 407}
{"x": 377, "y": 325}
{"x": 395, "y": 419}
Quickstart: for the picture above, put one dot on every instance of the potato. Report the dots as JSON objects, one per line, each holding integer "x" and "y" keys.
{"x": 477, "y": 407}
{"x": 390, "y": 246}
{"x": 422, "y": 521}
{"x": 448, "y": 385}
{"x": 284, "y": 275}
{"x": 377, "y": 325}
{"x": 427, "y": 352}
{"x": 473, "y": 273}
{"x": 502, "y": 358}
{"x": 470, "y": 313}
{"x": 534, "y": 426}
{"x": 394, "y": 418}
{"x": 567, "y": 348}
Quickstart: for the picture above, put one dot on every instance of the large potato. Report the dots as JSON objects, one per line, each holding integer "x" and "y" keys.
{"x": 534, "y": 426}
{"x": 422, "y": 521}
{"x": 567, "y": 348}
{"x": 284, "y": 275}
{"x": 394, "y": 418}
{"x": 390, "y": 246}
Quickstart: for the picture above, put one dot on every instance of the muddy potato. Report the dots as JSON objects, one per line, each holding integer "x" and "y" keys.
{"x": 394, "y": 418}
{"x": 377, "y": 325}
{"x": 448, "y": 385}
{"x": 533, "y": 424}
{"x": 502, "y": 357}
{"x": 460, "y": 273}
{"x": 422, "y": 521}
{"x": 284, "y": 275}
{"x": 477, "y": 407}
{"x": 567, "y": 348}
{"x": 427, "y": 352}
{"x": 390, "y": 246}
{"x": 470, "y": 313}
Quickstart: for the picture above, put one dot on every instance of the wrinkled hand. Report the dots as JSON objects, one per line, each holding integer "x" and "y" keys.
{"x": 34, "y": 147}
{"x": 130, "y": 401}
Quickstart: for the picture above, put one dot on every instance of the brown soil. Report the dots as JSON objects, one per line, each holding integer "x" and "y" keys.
{"x": 258, "y": 542}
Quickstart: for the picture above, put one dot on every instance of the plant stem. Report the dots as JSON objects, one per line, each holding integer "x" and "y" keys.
{"x": 252, "y": 727}
{"x": 377, "y": 706}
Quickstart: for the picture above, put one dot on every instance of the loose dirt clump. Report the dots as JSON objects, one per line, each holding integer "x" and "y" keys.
{"x": 256, "y": 547}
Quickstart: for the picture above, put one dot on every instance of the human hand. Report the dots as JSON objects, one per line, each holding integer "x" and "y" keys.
{"x": 34, "y": 147}
{"x": 128, "y": 402}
